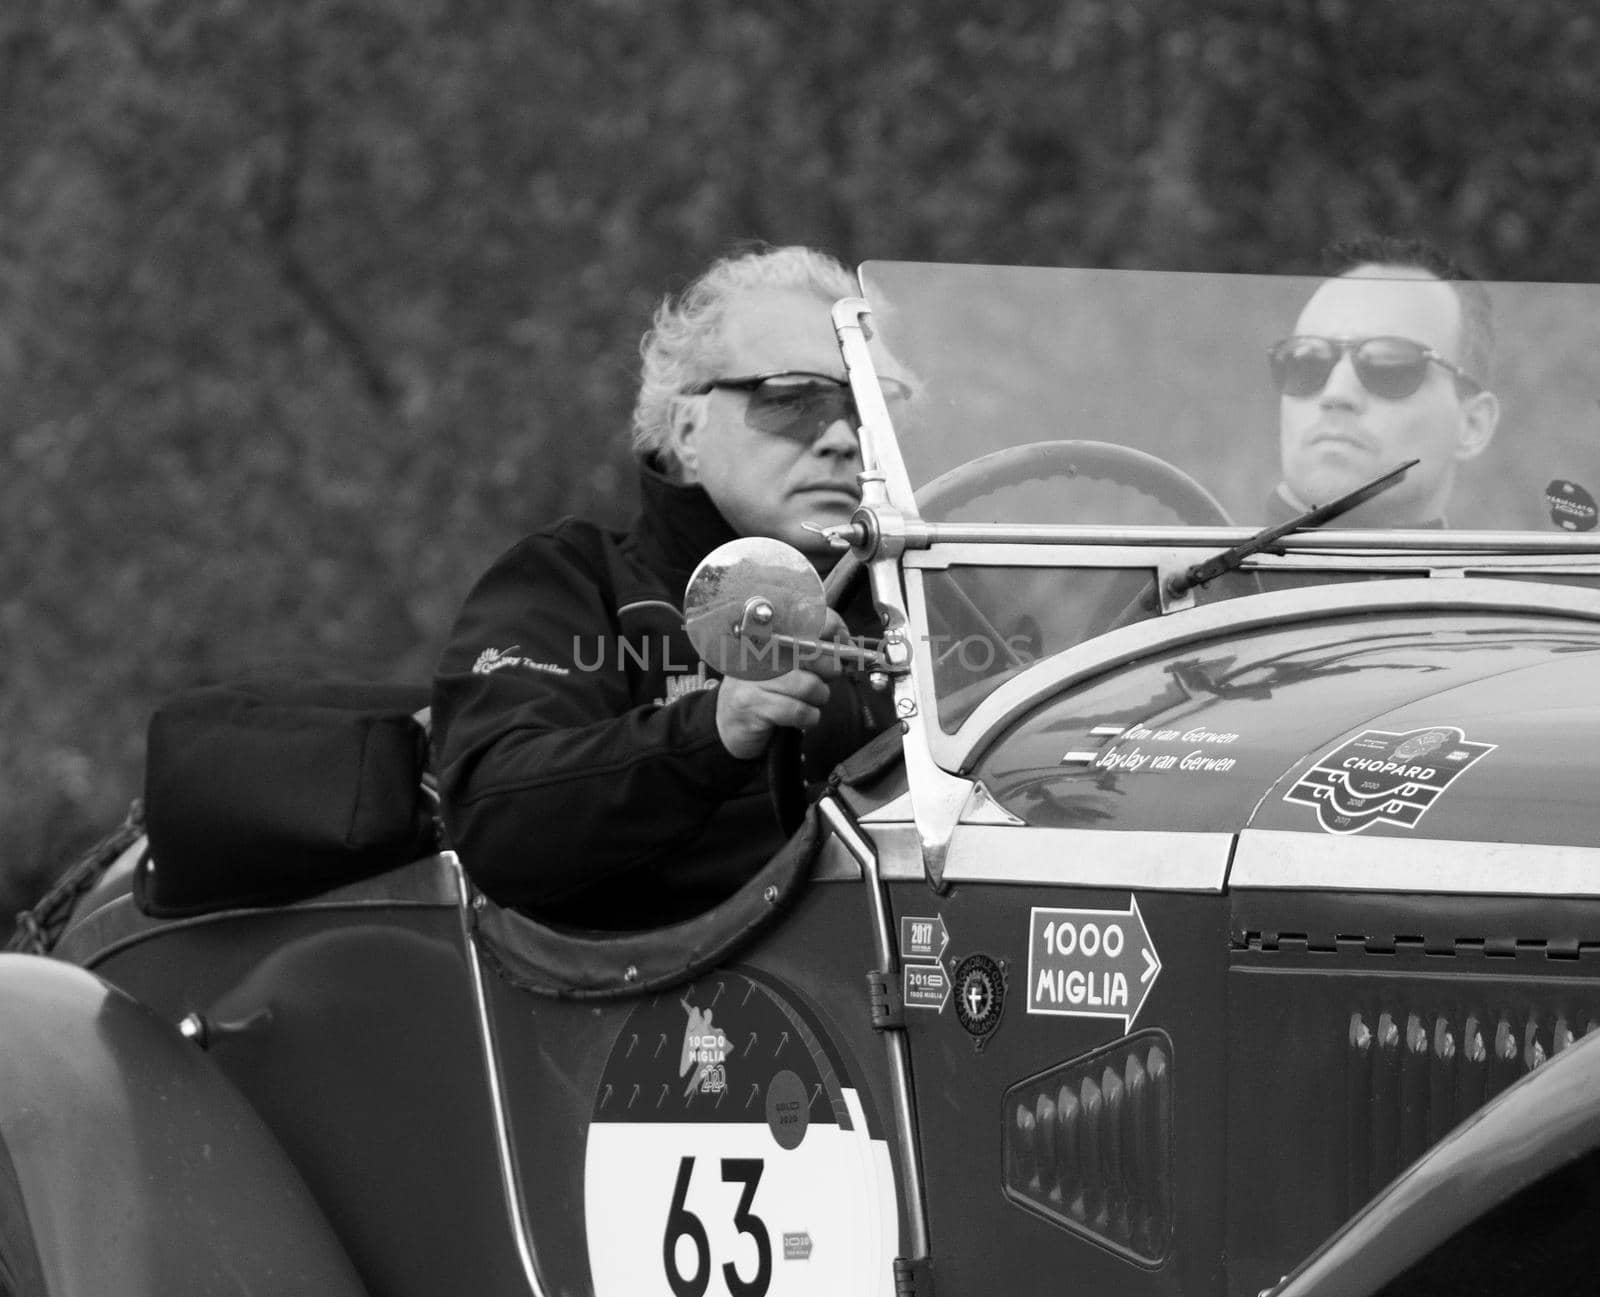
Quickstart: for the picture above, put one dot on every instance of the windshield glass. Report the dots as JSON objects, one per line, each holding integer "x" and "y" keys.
{"x": 1208, "y": 401}
{"x": 1492, "y": 387}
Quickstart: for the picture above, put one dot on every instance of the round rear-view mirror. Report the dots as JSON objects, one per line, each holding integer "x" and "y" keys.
{"x": 754, "y": 608}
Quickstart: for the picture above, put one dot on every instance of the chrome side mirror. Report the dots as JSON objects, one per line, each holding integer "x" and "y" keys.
{"x": 754, "y": 609}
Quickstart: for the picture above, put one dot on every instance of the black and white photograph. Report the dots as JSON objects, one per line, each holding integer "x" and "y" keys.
{"x": 766, "y": 648}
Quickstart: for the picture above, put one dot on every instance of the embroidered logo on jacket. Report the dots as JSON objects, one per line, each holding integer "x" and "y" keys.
{"x": 684, "y": 684}
{"x": 493, "y": 659}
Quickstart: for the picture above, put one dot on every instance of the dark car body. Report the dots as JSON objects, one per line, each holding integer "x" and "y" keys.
{"x": 1221, "y": 940}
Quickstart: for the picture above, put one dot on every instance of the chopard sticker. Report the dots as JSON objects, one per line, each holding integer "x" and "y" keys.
{"x": 493, "y": 659}
{"x": 1380, "y": 777}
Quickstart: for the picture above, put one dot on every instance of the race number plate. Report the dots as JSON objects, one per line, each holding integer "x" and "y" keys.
{"x": 730, "y": 1153}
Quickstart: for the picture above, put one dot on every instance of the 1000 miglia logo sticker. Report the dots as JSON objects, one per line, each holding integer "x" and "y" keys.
{"x": 1380, "y": 777}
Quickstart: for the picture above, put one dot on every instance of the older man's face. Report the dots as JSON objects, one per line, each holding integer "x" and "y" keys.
{"x": 767, "y": 480}
{"x": 1334, "y": 439}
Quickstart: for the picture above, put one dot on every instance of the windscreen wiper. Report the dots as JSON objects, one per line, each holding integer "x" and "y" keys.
{"x": 1231, "y": 559}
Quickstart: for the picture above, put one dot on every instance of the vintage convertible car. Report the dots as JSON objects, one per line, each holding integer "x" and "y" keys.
{"x": 1224, "y": 914}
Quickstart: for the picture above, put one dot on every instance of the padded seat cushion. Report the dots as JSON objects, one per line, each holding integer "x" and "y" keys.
{"x": 264, "y": 793}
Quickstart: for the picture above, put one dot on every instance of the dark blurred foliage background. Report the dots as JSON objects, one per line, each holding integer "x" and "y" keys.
{"x": 308, "y": 309}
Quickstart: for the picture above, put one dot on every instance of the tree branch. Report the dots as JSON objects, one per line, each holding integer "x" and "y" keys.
{"x": 278, "y": 209}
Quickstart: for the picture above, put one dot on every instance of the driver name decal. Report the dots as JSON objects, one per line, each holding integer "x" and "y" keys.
{"x": 1383, "y": 777}
{"x": 1194, "y": 750}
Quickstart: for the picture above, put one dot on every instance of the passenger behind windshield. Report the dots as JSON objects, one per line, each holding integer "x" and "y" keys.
{"x": 1389, "y": 360}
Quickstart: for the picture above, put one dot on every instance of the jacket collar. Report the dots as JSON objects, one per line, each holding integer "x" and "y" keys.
{"x": 1283, "y": 505}
{"x": 677, "y": 525}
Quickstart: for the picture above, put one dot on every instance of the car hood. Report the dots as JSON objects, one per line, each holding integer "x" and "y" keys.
{"x": 1463, "y": 727}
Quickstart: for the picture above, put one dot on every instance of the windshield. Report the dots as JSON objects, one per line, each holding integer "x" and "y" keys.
{"x": 1230, "y": 403}
{"x": 1494, "y": 389}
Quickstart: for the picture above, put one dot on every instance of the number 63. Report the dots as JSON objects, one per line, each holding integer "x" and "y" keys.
{"x": 681, "y": 1222}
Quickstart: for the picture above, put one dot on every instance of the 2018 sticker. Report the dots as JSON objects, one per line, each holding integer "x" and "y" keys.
{"x": 1383, "y": 777}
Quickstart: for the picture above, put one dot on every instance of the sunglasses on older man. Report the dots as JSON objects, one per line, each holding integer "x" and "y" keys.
{"x": 1391, "y": 368}
{"x": 798, "y": 405}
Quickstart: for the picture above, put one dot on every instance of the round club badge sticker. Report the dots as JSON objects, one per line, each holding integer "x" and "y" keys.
{"x": 730, "y": 1152}
{"x": 1571, "y": 507}
{"x": 980, "y": 994}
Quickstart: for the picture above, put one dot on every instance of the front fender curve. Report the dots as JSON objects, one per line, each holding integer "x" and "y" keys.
{"x": 131, "y": 1164}
{"x": 1546, "y": 1121}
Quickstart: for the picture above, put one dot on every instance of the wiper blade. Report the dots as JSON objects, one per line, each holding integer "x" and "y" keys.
{"x": 1231, "y": 559}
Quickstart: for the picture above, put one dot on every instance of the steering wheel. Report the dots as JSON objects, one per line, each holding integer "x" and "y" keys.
{"x": 1096, "y": 460}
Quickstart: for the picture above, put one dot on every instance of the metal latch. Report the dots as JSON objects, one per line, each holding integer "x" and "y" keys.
{"x": 913, "y": 1278}
{"x": 883, "y": 996}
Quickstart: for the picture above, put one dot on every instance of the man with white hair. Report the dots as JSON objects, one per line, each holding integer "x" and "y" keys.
{"x": 590, "y": 769}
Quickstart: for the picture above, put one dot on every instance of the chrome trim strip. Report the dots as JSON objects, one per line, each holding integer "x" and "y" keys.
{"x": 897, "y": 810}
{"x": 1088, "y": 555}
{"x": 510, "y": 1188}
{"x": 991, "y": 534}
{"x": 1149, "y": 860}
{"x": 899, "y": 852}
{"x": 1313, "y": 861}
{"x": 960, "y": 751}
{"x": 118, "y": 923}
{"x": 1098, "y": 552}
{"x": 834, "y": 864}
{"x": 905, "y": 1122}
{"x": 983, "y": 809}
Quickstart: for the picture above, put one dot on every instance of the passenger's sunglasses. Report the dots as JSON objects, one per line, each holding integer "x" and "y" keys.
{"x": 798, "y": 405}
{"x": 1391, "y": 368}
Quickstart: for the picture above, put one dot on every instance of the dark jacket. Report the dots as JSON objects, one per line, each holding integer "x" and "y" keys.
{"x": 575, "y": 730}
{"x": 1282, "y": 506}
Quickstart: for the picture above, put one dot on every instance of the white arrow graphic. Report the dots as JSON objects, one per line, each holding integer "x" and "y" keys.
{"x": 1091, "y": 963}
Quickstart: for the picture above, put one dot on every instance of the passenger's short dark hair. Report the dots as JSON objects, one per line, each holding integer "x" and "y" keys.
{"x": 1477, "y": 313}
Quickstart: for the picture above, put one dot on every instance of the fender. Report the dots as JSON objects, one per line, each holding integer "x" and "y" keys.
{"x": 129, "y": 1164}
{"x": 1546, "y": 1124}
